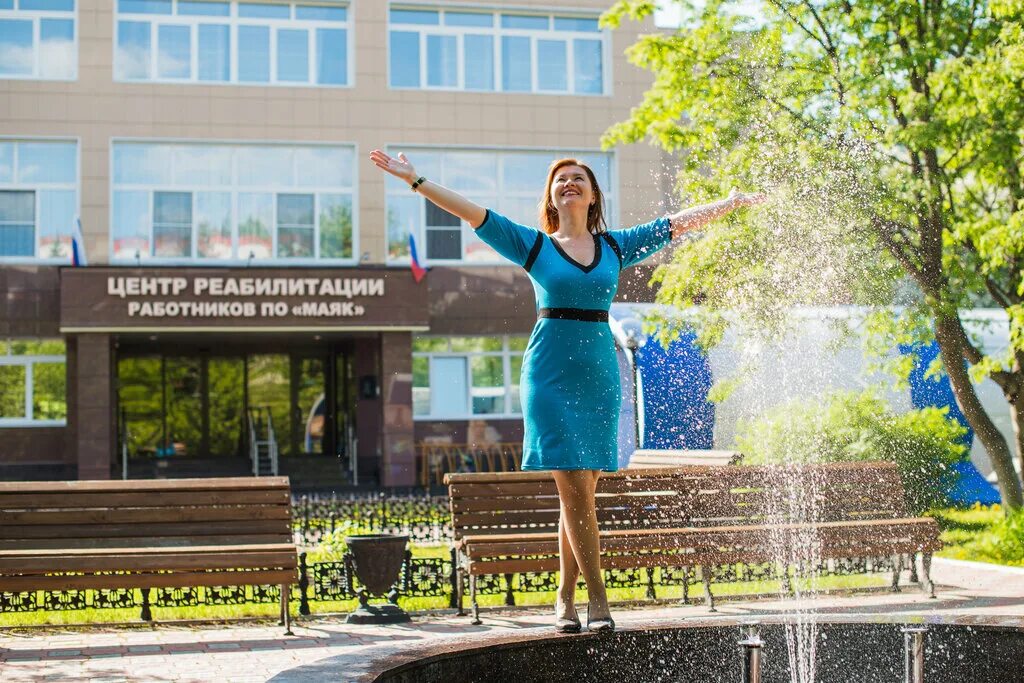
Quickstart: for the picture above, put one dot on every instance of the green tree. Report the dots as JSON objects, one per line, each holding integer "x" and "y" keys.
{"x": 889, "y": 135}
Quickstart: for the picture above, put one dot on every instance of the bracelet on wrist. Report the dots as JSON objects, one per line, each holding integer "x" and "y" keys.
{"x": 419, "y": 181}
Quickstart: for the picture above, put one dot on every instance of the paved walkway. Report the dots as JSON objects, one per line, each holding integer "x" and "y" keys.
{"x": 260, "y": 652}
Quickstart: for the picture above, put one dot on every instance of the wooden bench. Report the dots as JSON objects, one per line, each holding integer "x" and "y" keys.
{"x": 692, "y": 517}
{"x": 648, "y": 457}
{"x": 153, "y": 533}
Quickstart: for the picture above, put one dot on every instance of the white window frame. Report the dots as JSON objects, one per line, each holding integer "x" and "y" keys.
{"x": 36, "y": 187}
{"x": 28, "y": 362}
{"x": 233, "y": 21}
{"x": 497, "y": 32}
{"x": 506, "y": 354}
{"x": 493, "y": 201}
{"x": 234, "y": 190}
{"x": 35, "y": 16}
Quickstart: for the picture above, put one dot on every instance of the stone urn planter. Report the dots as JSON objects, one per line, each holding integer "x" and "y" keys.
{"x": 376, "y": 561}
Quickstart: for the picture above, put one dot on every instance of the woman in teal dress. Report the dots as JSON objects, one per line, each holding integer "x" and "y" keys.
{"x": 569, "y": 387}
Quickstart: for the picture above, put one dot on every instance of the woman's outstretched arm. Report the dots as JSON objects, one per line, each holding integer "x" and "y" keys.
{"x": 449, "y": 200}
{"x": 696, "y": 217}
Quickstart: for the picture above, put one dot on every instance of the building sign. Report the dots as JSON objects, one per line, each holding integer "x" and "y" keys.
{"x": 115, "y": 299}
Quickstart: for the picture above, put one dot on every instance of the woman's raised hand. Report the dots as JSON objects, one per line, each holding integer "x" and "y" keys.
{"x": 397, "y": 166}
{"x": 747, "y": 198}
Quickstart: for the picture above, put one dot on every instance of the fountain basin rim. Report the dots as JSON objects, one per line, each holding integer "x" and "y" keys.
{"x": 419, "y": 656}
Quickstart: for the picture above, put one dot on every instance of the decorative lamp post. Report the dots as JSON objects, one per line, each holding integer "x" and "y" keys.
{"x": 376, "y": 560}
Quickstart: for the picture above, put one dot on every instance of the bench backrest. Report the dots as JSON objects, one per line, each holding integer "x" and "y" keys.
{"x": 145, "y": 513}
{"x": 690, "y": 496}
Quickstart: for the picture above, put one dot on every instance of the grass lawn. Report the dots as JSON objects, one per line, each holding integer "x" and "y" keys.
{"x": 969, "y": 534}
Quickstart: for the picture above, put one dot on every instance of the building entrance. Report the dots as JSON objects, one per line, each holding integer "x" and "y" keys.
{"x": 208, "y": 410}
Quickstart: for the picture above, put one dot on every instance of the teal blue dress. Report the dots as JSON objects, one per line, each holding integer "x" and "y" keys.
{"x": 569, "y": 388}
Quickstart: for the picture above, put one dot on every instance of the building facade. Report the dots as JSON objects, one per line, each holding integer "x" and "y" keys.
{"x": 248, "y": 292}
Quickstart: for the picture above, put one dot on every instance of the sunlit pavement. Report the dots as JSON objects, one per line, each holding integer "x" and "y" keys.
{"x": 260, "y": 652}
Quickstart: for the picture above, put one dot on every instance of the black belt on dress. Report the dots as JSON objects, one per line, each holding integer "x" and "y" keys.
{"x": 588, "y": 315}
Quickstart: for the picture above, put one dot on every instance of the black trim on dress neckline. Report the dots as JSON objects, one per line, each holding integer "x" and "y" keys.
{"x": 570, "y": 259}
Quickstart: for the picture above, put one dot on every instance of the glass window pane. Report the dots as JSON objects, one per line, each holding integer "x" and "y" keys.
{"x": 589, "y": 74}
{"x": 420, "y": 385}
{"x": 174, "y": 53}
{"x": 12, "y": 391}
{"x": 598, "y": 163}
{"x": 403, "y": 220}
{"x": 448, "y": 380}
{"x": 551, "y": 65}
{"x": 522, "y": 210}
{"x": 324, "y": 167}
{"x": 213, "y": 225}
{"x": 133, "y": 49}
{"x": 49, "y": 400}
{"x": 264, "y": 10}
{"x": 515, "y": 64}
{"x": 144, "y": 164}
{"x": 517, "y": 343}
{"x": 130, "y": 225}
{"x": 405, "y": 59}
{"x": 214, "y": 52}
{"x": 47, "y": 162}
{"x": 479, "y": 62}
{"x": 476, "y": 343}
{"x": 412, "y": 16}
{"x": 295, "y": 209}
{"x": 488, "y": 391}
{"x": 17, "y": 223}
{"x": 16, "y": 53}
{"x": 321, "y": 13}
{"x": 253, "y": 54}
{"x": 442, "y": 61}
{"x": 576, "y": 24}
{"x": 172, "y": 224}
{"x": 202, "y": 8}
{"x": 6, "y": 162}
{"x": 332, "y": 56}
{"x": 515, "y": 371}
{"x": 37, "y": 347}
{"x": 335, "y": 226}
{"x": 422, "y": 343}
{"x": 525, "y": 172}
{"x": 528, "y": 21}
{"x": 471, "y": 171}
{"x": 468, "y": 19}
{"x": 144, "y": 6}
{"x": 436, "y": 216}
{"x": 265, "y": 166}
{"x": 57, "y": 58}
{"x": 6, "y": 4}
{"x": 57, "y": 210}
{"x": 293, "y": 55}
{"x": 255, "y": 216}
{"x": 48, "y": 5}
{"x": 444, "y": 244}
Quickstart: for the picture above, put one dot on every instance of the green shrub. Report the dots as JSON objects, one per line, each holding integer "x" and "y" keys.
{"x": 851, "y": 426}
{"x": 1004, "y": 540}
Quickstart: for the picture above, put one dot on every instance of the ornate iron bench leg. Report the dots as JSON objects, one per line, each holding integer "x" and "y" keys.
{"x": 912, "y": 559}
{"x": 510, "y": 596}
{"x": 460, "y": 576}
{"x": 472, "y": 594}
{"x": 897, "y": 567}
{"x": 926, "y": 569}
{"x": 146, "y": 614}
{"x": 686, "y": 586}
{"x": 286, "y": 617}
{"x": 709, "y": 599}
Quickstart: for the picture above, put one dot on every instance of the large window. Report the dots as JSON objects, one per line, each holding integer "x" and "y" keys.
{"x": 38, "y": 199}
{"x": 211, "y": 203}
{"x": 508, "y": 181}
{"x": 466, "y": 377}
{"x": 32, "y": 383}
{"x": 205, "y": 41}
{"x": 37, "y": 39}
{"x": 484, "y": 50}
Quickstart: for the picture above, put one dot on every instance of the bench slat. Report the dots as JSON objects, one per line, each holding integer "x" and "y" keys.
{"x": 177, "y": 513}
{"x": 59, "y": 501}
{"x": 152, "y": 485}
{"x": 183, "y": 560}
{"x": 139, "y": 541}
{"x": 154, "y": 529}
{"x": 170, "y": 580}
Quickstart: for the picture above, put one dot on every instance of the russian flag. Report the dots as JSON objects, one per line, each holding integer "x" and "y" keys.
{"x": 418, "y": 271}
{"x": 77, "y": 244}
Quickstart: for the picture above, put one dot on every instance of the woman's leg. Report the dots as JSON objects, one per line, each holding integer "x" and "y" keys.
{"x": 576, "y": 493}
{"x": 568, "y": 573}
